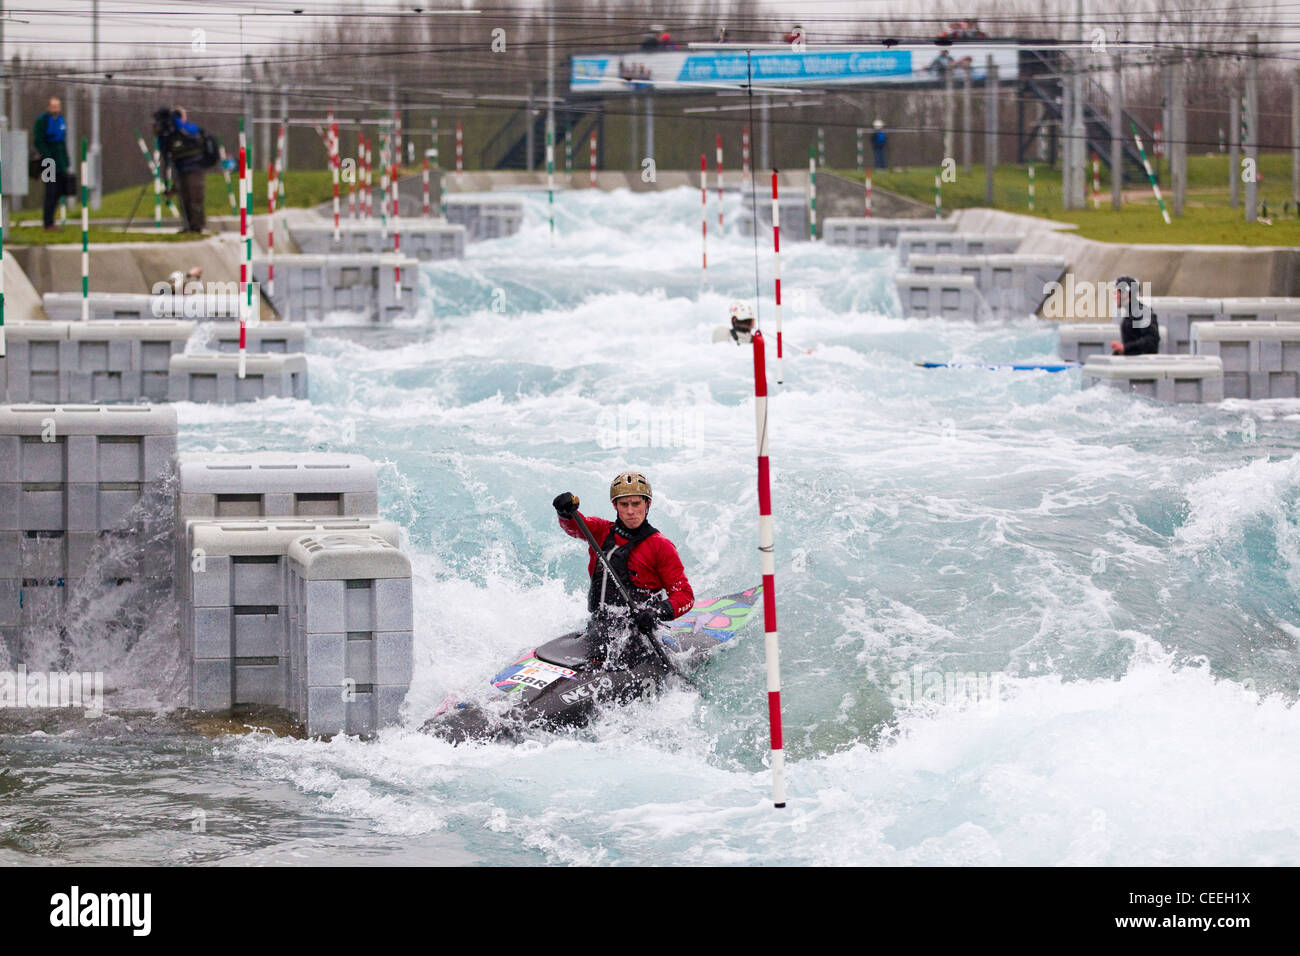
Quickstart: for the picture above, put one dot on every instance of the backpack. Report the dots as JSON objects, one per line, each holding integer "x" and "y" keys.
{"x": 211, "y": 151}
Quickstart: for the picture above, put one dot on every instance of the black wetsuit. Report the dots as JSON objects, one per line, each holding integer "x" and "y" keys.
{"x": 1144, "y": 341}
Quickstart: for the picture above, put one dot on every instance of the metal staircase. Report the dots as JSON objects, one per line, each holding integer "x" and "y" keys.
{"x": 508, "y": 147}
{"x": 1042, "y": 76}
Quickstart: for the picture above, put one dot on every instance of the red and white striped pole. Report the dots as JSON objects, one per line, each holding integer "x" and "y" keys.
{"x": 368, "y": 198}
{"x": 776, "y": 271}
{"x": 767, "y": 557}
{"x": 334, "y": 172}
{"x": 352, "y": 187}
{"x": 460, "y": 154}
{"x": 244, "y": 192}
{"x": 271, "y": 184}
{"x": 424, "y": 183}
{"x": 719, "y": 151}
{"x": 1096, "y": 182}
{"x": 744, "y": 156}
{"x": 704, "y": 213}
{"x": 397, "y": 236}
{"x": 868, "y": 212}
{"x": 591, "y": 148}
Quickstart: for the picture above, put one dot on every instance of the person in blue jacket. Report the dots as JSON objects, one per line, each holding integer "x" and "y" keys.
{"x": 50, "y": 138}
{"x": 185, "y": 162}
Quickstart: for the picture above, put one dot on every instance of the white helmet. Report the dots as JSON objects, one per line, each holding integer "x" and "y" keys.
{"x": 741, "y": 311}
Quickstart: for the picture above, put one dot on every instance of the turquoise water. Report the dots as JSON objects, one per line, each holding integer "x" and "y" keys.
{"x": 1021, "y": 622}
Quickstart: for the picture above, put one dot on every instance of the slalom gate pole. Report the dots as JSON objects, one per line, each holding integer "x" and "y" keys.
{"x": 812, "y": 201}
{"x": 868, "y": 197}
{"x": 460, "y": 154}
{"x": 766, "y": 548}
{"x": 938, "y": 197}
{"x": 719, "y": 152}
{"x": 776, "y": 273}
{"x": 271, "y": 184}
{"x": 1096, "y": 182}
{"x": 860, "y": 135}
{"x": 1150, "y": 175}
{"x": 704, "y": 216}
{"x": 85, "y": 238}
{"x": 591, "y": 149}
{"x": 745, "y": 171}
{"x": 243, "y": 253}
{"x": 397, "y": 231}
{"x": 334, "y": 172}
{"x": 157, "y": 181}
{"x": 1031, "y": 188}
{"x": 568, "y": 152}
{"x": 225, "y": 174}
{"x": 424, "y": 185}
{"x": 550, "y": 179}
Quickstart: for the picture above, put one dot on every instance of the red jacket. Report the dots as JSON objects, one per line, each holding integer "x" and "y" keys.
{"x": 654, "y": 563}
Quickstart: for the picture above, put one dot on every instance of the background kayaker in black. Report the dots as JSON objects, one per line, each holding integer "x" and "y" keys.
{"x": 1138, "y": 328}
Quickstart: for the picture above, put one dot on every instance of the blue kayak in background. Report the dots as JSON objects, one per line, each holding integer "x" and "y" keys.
{"x": 1006, "y": 366}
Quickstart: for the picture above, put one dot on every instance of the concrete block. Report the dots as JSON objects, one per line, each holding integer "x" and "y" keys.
{"x": 10, "y": 602}
{"x": 326, "y": 712}
{"x": 213, "y": 377}
{"x": 949, "y": 297}
{"x": 394, "y": 656}
{"x": 259, "y": 634}
{"x": 394, "y": 610}
{"x": 359, "y": 657}
{"x": 325, "y": 607}
{"x": 259, "y": 683}
{"x": 358, "y": 602}
{"x": 211, "y": 685}
{"x": 388, "y": 703}
{"x": 10, "y": 554}
{"x": 325, "y": 661}
{"x": 211, "y": 629}
{"x": 1166, "y": 378}
{"x": 257, "y": 580}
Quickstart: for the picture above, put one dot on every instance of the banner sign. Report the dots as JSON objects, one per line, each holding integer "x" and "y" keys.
{"x": 670, "y": 70}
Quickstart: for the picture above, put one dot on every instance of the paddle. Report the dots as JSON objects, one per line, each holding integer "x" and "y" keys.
{"x": 600, "y": 555}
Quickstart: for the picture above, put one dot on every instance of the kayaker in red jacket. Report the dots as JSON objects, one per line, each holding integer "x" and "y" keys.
{"x": 640, "y": 555}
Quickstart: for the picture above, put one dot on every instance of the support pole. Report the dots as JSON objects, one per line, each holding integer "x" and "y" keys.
{"x": 1116, "y": 136}
{"x": 990, "y": 127}
{"x": 1251, "y": 139}
{"x": 1234, "y": 146}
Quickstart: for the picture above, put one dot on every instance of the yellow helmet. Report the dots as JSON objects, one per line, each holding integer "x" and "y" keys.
{"x": 629, "y": 483}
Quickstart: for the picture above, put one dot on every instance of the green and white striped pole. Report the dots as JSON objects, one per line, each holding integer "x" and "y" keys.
{"x": 550, "y": 178}
{"x": 821, "y": 146}
{"x": 230, "y": 189}
{"x": 85, "y": 238}
{"x": 938, "y": 201}
{"x": 1031, "y": 187}
{"x": 1150, "y": 175}
{"x": 812, "y": 192}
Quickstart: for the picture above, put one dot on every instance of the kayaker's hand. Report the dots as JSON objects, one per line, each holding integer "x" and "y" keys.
{"x": 1117, "y": 348}
{"x": 651, "y": 614}
{"x": 566, "y": 506}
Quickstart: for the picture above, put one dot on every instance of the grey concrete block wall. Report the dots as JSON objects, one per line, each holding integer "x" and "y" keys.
{"x": 484, "y": 217}
{"x": 140, "y": 306}
{"x": 101, "y": 362}
{"x": 1263, "y": 309}
{"x": 1260, "y": 359}
{"x": 77, "y": 486}
{"x": 275, "y": 484}
{"x": 944, "y": 296}
{"x": 309, "y": 287}
{"x": 1011, "y": 284}
{"x": 1166, "y": 378}
{"x": 213, "y": 377}
{"x": 954, "y": 243}
{"x": 1079, "y": 341}
{"x": 794, "y": 216}
{"x": 869, "y": 232}
{"x": 233, "y": 598}
{"x": 279, "y": 338}
{"x": 351, "y": 632}
{"x": 1176, "y": 314}
{"x": 424, "y": 239}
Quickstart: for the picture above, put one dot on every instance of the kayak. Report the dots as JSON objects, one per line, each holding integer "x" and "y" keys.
{"x": 562, "y": 683}
{"x": 1006, "y": 366}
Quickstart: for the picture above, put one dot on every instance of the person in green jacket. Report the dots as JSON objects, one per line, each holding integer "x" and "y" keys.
{"x": 50, "y": 137}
